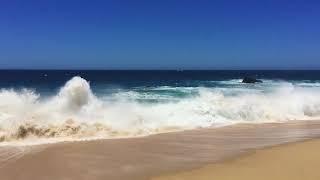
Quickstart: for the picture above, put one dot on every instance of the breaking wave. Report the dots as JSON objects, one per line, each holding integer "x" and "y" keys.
{"x": 75, "y": 113}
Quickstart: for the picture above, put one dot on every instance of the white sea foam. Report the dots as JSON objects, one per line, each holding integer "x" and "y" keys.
{"x": 75, "y": 113}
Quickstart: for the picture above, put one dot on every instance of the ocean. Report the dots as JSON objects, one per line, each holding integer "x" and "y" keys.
{"x": 44, "y": 106}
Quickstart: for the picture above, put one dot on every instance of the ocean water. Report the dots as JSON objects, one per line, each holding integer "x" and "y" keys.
{"x": 48, "y": 106}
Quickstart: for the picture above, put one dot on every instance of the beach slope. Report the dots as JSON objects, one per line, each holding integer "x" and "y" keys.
{"x": 152, "y": 156}
{"x": 293, "y": 161}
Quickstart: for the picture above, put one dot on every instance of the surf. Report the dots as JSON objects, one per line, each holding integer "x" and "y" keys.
{"x": 76, "y": 113}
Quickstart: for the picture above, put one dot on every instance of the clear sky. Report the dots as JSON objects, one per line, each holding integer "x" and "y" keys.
{"x": 160, "y": 34}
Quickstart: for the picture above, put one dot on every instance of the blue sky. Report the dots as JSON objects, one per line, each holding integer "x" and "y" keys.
{"x": 160, "y": 34}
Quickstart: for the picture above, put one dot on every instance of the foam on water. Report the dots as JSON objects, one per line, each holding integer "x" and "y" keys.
{"x": 75, "y": 113}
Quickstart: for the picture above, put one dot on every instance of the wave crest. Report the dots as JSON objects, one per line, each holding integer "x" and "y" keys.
{"x": 76, "y": 113}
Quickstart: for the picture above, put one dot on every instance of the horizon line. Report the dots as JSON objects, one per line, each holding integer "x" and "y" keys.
{"x": 169, "y": 69}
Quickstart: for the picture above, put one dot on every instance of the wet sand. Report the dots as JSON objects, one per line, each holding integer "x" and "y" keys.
{"x": 146, "y": 157}
{"x": 294, "y": 161}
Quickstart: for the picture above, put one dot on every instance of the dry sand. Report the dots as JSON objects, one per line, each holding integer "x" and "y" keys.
{"x": 296, "y": 161}
{"x": 146, "y": 157}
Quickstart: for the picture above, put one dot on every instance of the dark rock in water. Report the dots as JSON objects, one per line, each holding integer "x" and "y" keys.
{"x": 251, "y": 80}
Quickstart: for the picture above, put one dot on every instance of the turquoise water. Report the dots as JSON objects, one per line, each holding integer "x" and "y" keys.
{"x": 42, "y": 106}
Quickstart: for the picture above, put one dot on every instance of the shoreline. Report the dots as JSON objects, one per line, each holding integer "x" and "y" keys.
{"x": 150, "y": 156}
{"x": 57, "y": 141}
{"x": 294, "y": 161}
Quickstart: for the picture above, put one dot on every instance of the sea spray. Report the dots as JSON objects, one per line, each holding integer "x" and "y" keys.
{"x": 75, "y": 112}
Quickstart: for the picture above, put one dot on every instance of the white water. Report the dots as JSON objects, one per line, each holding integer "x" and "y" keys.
{"x": 76, "y": 113}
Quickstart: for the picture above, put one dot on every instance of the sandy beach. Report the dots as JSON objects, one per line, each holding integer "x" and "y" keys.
{"x": 148, "y": 157}
{"x": 294, "y": 161}
{"x": 159, "y": 90}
